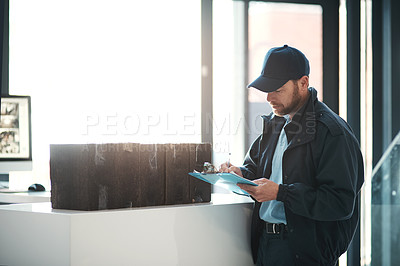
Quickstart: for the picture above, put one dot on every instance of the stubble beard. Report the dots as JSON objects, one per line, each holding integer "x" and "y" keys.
{"x": 294, "y": 104}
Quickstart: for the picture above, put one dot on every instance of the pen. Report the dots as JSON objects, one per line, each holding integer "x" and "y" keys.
{"x": 229, "y": 160}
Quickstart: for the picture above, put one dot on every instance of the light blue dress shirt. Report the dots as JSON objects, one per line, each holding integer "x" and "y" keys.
{"x": 274, "y": 211}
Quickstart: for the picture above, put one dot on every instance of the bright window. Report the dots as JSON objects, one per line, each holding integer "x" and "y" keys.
{"x": 106, "y": 71}
{"x": 274, "y": 25}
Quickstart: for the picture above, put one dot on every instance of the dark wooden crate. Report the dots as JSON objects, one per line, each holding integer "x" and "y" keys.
{"x": 104, "y": 174}
{"x": 127, "y": 165}
{"x": 109, "y": 176}
{"x": 152, "y": 174}
{"x": 73, "y": 185}
{"x": 94, "y": 176}
{"x": 117, "y": 171}
{"x": 200, "y": 191}
{"x": 176, "y": 174}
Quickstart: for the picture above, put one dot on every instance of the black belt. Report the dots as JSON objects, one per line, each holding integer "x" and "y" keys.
{"x": 275, "y": 229}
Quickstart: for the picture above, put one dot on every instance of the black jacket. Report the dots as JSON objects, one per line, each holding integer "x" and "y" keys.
{"x": 322, "y": 171}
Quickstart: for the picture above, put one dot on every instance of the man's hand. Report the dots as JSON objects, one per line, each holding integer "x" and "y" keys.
{"x": 230, "y": 168}
{"x": 265, "y": 191}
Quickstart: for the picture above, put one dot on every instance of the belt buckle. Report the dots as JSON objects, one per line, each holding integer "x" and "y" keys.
{"x": 274, "y": 231}
{"x": 276, "y": 228}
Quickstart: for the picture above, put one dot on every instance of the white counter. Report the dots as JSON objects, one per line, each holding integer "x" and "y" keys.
{"x": 24, "y": 197}
{"x": 216, "y": 233}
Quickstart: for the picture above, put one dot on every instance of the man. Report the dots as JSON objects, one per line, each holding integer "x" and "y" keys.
{"x": 308, "y": 167}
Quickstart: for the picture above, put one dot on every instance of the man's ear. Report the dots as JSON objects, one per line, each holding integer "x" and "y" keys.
{"x": 303, "y": 83}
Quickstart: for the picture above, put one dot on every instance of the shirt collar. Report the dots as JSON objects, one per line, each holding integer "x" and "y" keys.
{"x": 287, "y": 118}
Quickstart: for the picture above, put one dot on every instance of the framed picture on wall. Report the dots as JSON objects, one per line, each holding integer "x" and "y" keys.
{"x": 15, "y": 128}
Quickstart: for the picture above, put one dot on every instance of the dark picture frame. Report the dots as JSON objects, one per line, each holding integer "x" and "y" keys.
{"x": 15, "y": 128}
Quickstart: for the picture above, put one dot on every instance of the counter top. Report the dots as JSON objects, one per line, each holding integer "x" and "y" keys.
{"x": 215, "y": 233}
{"x": 24, "y": 197}
{"x": 42, "y": 204}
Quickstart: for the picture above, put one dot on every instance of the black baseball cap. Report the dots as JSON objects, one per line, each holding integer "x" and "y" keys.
{"x": 281, "y": 64}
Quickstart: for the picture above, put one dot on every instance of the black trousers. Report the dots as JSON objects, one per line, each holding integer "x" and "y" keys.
{"x": 274, "y": 250}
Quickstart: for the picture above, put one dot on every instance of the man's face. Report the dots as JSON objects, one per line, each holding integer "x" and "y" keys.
{"x": 286, "y": 99}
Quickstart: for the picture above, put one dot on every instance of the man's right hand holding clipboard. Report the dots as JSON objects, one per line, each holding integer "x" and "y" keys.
{"x": 265, "y": 191}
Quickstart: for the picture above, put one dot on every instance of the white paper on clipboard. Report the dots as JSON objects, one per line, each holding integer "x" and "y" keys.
{"x": 228, "y": 181}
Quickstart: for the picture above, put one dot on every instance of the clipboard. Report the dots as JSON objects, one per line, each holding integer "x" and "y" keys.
{"x": 225, "y": 180}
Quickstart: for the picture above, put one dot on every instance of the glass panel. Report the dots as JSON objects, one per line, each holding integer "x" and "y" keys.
{"x": 385, "y": 208}
{"x": 276, "y": 24}
{"x": 229, "y": 84}
{"x": 366, "y": 142}
{"x": 126, "y": 71}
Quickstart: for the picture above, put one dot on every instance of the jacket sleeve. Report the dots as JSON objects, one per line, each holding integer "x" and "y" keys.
{"x": 339, "y": 177}
{"x": 249, "y": 168}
